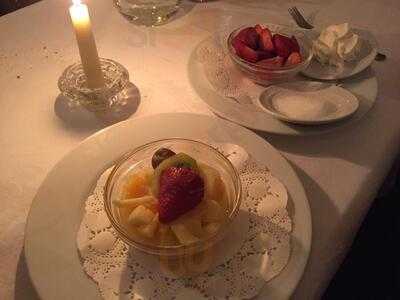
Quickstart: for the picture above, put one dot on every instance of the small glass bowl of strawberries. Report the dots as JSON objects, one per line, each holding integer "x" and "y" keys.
{"x": 172, "y": 197}
{"x": 269, "y": 53}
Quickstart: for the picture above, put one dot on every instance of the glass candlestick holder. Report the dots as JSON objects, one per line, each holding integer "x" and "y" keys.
{"x": 73, "y": 85}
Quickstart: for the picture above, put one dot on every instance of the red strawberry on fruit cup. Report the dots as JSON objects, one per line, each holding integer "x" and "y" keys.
{"x": 293, "y": 59}
{"x": 244, "y": 52}
{"x": 181, "y": 189}
{"x": 265, "y": 42}
{"x": 283, "y": 45}
{"x": 275, "y": 62}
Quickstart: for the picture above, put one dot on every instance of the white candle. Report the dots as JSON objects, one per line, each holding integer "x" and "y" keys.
{"x": 87, "y": 46}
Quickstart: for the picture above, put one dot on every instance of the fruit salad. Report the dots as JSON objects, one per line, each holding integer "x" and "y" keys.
{"x": 175, "y": 201}
{"x": 260, "y": 46}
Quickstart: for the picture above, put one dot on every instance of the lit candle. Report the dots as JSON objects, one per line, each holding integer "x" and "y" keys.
{"x": 87, "y": 46}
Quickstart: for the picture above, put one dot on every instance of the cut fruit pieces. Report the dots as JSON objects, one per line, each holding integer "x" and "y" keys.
{"x": 211, "y": 228}
{"x": 249, "y": 37}
{"x": 266, "y": 43}
{"x": 283, "y": 45}
{"x": 293, "y": 59}
{"x": 141, "y": 215}
{"x": 183, "y": 234}
{"x": 275, "y": 62}
{"x": 166, "y": 235}
{"x": 135, "y": 202}
{"x": 258, "y": 28}
{"x": 245, "y": 52}
{"x": 213, "y": 213}
{"x": 149, "y": 230}
{"x": 137, "y": 185}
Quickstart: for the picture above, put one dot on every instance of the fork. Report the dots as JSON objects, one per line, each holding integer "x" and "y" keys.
{"x": 302, "y": 22}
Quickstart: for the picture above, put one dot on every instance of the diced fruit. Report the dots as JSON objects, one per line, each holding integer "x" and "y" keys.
{"x": 265, "y": 54}
{"x": 141, "y": 216}
{"x": 214, "y": 186}
{"x": 183, "y": 234}
{"x": 245, "y": 52}
{"x": 209, "y": 176}
{"x": 258, "y": 28}
{"x": 213, "y": 212}
{"x": 241, "y": 36}
{"x": 211, "y": 228}
{"x": 295, "y": 44}
{"x": 249, "y": 37}
{"x": 160, "y": 155}
{"x": 265, "y": 42}
{"x": 275, "y": 62}
{"x": 149, "y": 229}
{"x": 293, "y": 59}
{"x": 136, "y": 186}
{"x": 134, "y": 202}
{"x": 283, "y": 45}
{"x": 193, "y": 224}
{"x": 178, "y": 160}
{"x": 167, "y": 237}
{"x": 181, "y": 189}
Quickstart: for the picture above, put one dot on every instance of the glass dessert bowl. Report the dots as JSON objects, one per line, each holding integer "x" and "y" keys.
{"x": 264, "y": 52}
{"x": 172, "y": 197}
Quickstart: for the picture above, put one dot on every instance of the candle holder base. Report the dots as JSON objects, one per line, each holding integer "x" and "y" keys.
{"x": 73, "y": 85}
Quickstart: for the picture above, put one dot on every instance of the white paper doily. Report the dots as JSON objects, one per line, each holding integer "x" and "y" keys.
{"x": 255, "y": 250}
{"x": 224, "y": 76}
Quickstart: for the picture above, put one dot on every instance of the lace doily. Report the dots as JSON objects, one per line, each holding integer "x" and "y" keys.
{"x": 255, "y": 250}
{"x": 223, "y": 75}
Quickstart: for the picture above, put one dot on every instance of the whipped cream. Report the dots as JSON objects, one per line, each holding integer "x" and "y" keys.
{"x": 337, "y": 44}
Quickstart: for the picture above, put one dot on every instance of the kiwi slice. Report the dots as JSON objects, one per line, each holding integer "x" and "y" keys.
{"x": 180, "y": 160}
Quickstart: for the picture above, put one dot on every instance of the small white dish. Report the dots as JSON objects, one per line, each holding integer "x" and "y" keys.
{"x": 308, "y": 102}
{"x": 365, "y": 58}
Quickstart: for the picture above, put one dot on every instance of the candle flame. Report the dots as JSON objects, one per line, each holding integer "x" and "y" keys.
{"x": 76, "y": 2}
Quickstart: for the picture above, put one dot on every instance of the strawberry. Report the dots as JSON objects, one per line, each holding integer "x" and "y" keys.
{"x": 244, "y": 51}
{"x": 295, "y": 44}
{"x": 181, "y": 189}
{"x": 258, "y": 28}
{"x": 265, "y": 54}
{"x": 275, "y": 62}
{"x": 265, "y": 42}
{"x": 283, "y": 45}
{"x": 249, "y": 37}
{"x": 293, "y": 59}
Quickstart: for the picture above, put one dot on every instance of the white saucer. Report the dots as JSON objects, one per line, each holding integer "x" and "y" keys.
{"x": 365, "y": 58}
{"x": 308, "y": 102}
{"x": 56, "y": 212}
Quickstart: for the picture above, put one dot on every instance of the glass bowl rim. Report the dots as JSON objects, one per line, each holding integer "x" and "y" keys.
{"x": 156, "y": 249}
{"x": 256, "y": 67}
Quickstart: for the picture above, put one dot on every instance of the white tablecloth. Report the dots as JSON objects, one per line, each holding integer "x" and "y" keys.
{"x": 341, "y": 171}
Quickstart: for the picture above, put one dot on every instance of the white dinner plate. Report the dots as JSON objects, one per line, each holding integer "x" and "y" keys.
{"x": 365, "y": 58}
{"x": 308, "y": 102}
{"x": 364, "y": 86}
{"x": 56, "y": 211}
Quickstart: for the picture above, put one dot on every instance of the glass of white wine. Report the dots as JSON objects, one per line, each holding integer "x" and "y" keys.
{"x": 147, "y": 12}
